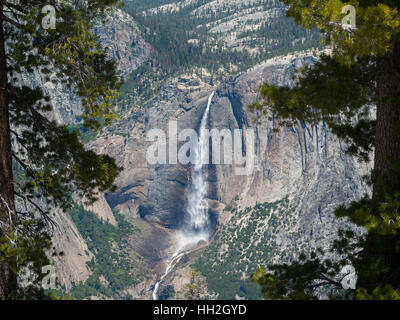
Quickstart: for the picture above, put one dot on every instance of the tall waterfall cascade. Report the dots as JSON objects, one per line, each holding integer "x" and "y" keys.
{"x": 197, "y": 225}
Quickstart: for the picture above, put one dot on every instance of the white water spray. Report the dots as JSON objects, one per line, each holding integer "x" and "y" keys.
{"x": 197, "y": 207}
{"x": 196, "y": 227}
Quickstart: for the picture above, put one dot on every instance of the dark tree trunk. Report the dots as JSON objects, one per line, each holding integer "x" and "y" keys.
{"x": 387, "y": 140}
{"x": 7, "y": 204}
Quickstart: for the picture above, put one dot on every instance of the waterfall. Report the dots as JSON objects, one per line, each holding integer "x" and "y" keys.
{"x": 197, "y": 205}
{"x": 196, "y": 226}
{"x": 174, "y": 260}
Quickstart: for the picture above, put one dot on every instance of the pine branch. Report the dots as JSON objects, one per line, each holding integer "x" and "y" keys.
{"x": 14, "y": 23}
{"x": 34, "y": 113}
{"x": 49, "y": 221}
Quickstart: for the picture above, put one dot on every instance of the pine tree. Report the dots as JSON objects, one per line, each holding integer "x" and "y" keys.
{"x": 195, "y": 287}
{"x": 362, "y": 70}
{"x": 50, "y": 157}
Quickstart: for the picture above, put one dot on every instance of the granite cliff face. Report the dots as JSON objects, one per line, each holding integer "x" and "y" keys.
{"x": 302, "y": 170}
{"x": 72, "y": 264}
{"x": 119, "y": 34}
{"x": 304, "y": 164}
{"x": 288, "y": 162}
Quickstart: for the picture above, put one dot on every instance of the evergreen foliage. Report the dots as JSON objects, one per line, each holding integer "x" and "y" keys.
{"x": 362, "y": 70}
{"x": 50, "y": 157}
{"x": 166, "y": 293}
{"x": 236, "y": 250}
{"x": 110, "y": 262}
{"x": 195, "y": 287}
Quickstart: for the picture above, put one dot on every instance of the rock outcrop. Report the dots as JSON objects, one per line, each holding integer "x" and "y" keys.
{"x": 120, "y": 35}
{"x": 306, "y": 164}
{"x": 72, "y": 250}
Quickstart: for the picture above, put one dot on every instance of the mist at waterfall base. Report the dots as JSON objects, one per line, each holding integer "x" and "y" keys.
{"x": 196, "y": 226}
